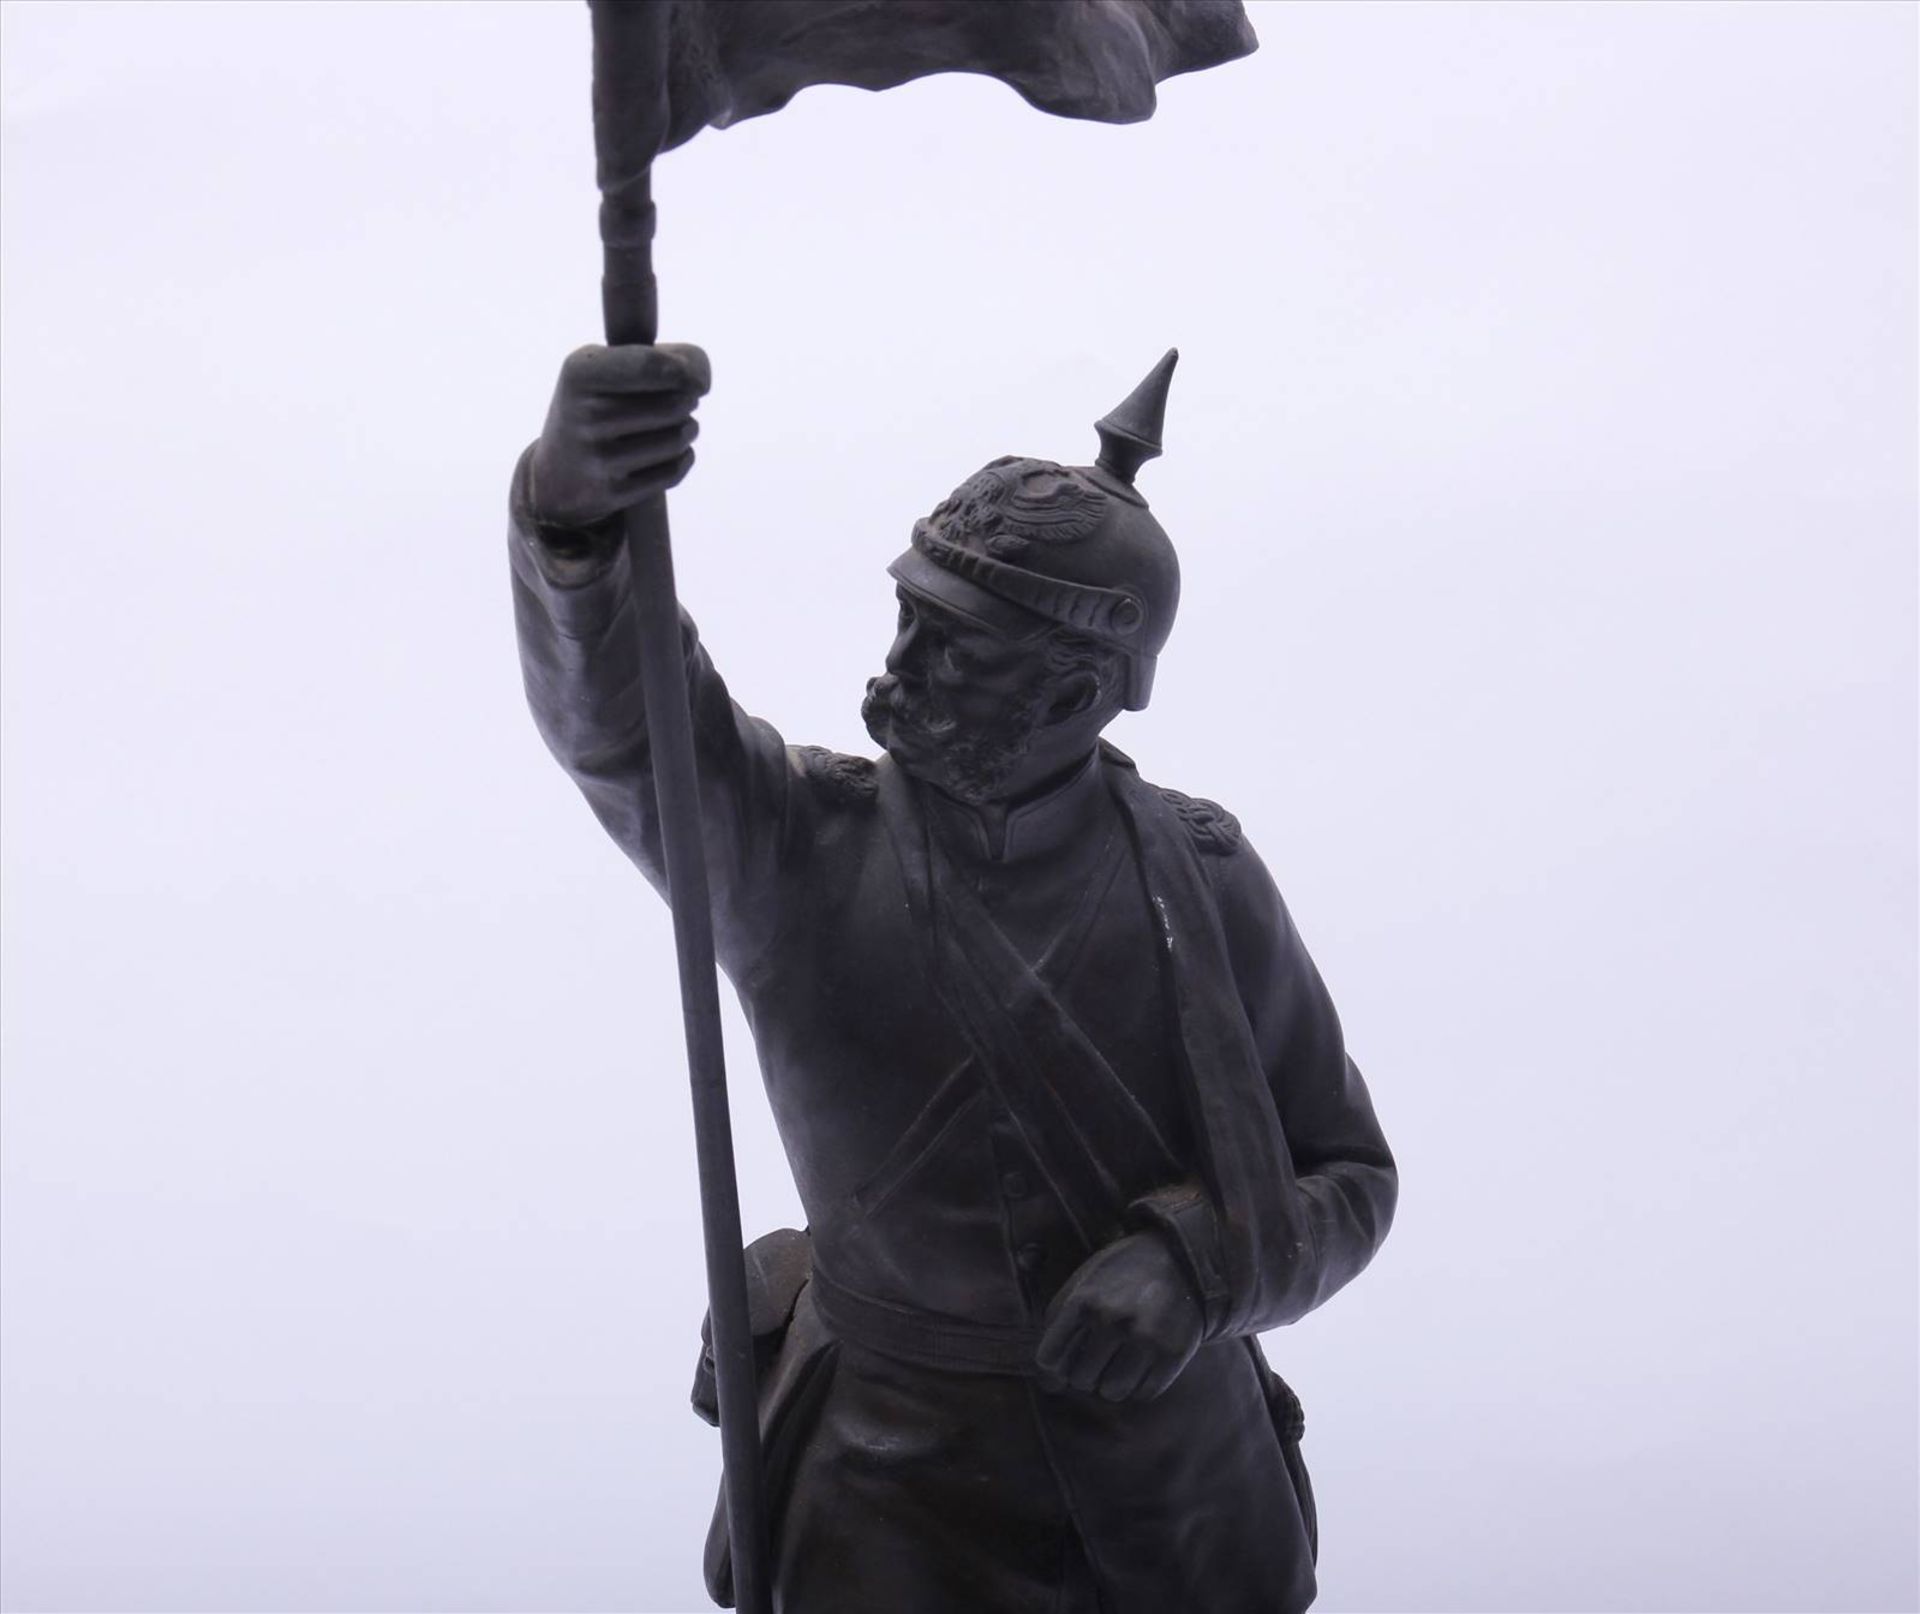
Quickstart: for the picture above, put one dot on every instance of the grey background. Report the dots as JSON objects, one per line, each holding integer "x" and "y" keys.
{"x": 1542, "y": 458}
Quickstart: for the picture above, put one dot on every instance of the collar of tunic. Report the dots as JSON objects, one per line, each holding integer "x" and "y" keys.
{"x": 1025, "y": 831}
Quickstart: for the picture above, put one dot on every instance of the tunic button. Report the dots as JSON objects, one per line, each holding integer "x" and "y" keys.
{"x": 1029, "y": 1256}
{"x": 1014, "y": 1184}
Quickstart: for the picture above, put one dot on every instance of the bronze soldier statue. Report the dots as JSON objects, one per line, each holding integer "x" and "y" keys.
{"x": 1066, "y": 1102}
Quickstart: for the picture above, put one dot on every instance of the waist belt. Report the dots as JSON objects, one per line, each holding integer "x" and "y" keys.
{"x": 927, "y": 1339}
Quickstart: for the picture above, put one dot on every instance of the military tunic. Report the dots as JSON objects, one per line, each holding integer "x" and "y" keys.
{"x": 989, "y": 1051}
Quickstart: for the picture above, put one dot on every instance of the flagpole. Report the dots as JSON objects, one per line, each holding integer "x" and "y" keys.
{"x": 629, "y": 298}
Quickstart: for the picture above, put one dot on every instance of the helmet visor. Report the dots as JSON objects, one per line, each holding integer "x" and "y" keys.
{"x": 920, "y": 575}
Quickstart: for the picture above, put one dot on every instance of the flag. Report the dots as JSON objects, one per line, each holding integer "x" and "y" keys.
{"x": 666, "y": 69}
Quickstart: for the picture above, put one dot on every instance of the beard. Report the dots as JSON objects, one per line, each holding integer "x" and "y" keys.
{"x": 928, "y": 739}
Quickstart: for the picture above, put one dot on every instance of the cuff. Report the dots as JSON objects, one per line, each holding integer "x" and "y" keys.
{"x": 1185, "y": 1215}
{"x": 566, "y": 557}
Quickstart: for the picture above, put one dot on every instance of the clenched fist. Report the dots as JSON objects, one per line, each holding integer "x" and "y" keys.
{"x": 618, "y": 431}
{"x": 1124, "y": 1325}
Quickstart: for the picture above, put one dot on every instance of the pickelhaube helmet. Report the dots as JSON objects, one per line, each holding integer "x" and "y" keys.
{"x": 1025, "y": 546}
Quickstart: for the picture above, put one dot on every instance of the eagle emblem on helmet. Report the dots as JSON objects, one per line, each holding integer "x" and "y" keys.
{"x": 1014, "y": 503}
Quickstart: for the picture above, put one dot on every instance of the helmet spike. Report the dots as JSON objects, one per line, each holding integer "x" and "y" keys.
{"x": 1130, "y": 435}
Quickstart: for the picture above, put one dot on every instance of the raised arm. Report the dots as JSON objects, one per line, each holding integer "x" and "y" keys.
{"x": 619, "y": 431}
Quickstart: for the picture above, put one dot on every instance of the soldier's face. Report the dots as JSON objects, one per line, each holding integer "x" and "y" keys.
{"x": 958, "y": 704}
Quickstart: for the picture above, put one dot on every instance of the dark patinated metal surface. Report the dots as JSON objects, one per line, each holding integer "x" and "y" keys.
{"x": 1066, "y": 1102}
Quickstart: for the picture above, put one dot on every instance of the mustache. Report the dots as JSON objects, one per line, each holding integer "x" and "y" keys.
{"x": 889, "y": 696}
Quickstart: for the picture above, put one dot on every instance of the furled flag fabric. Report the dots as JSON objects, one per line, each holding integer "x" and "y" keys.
{"x": 666, "y": 69}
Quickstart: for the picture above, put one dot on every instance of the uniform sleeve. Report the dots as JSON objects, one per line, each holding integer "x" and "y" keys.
{"x": 1345, "y": 1179}
{"x": 1310, "y": 1185}
{"x": 578, "y": 628}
